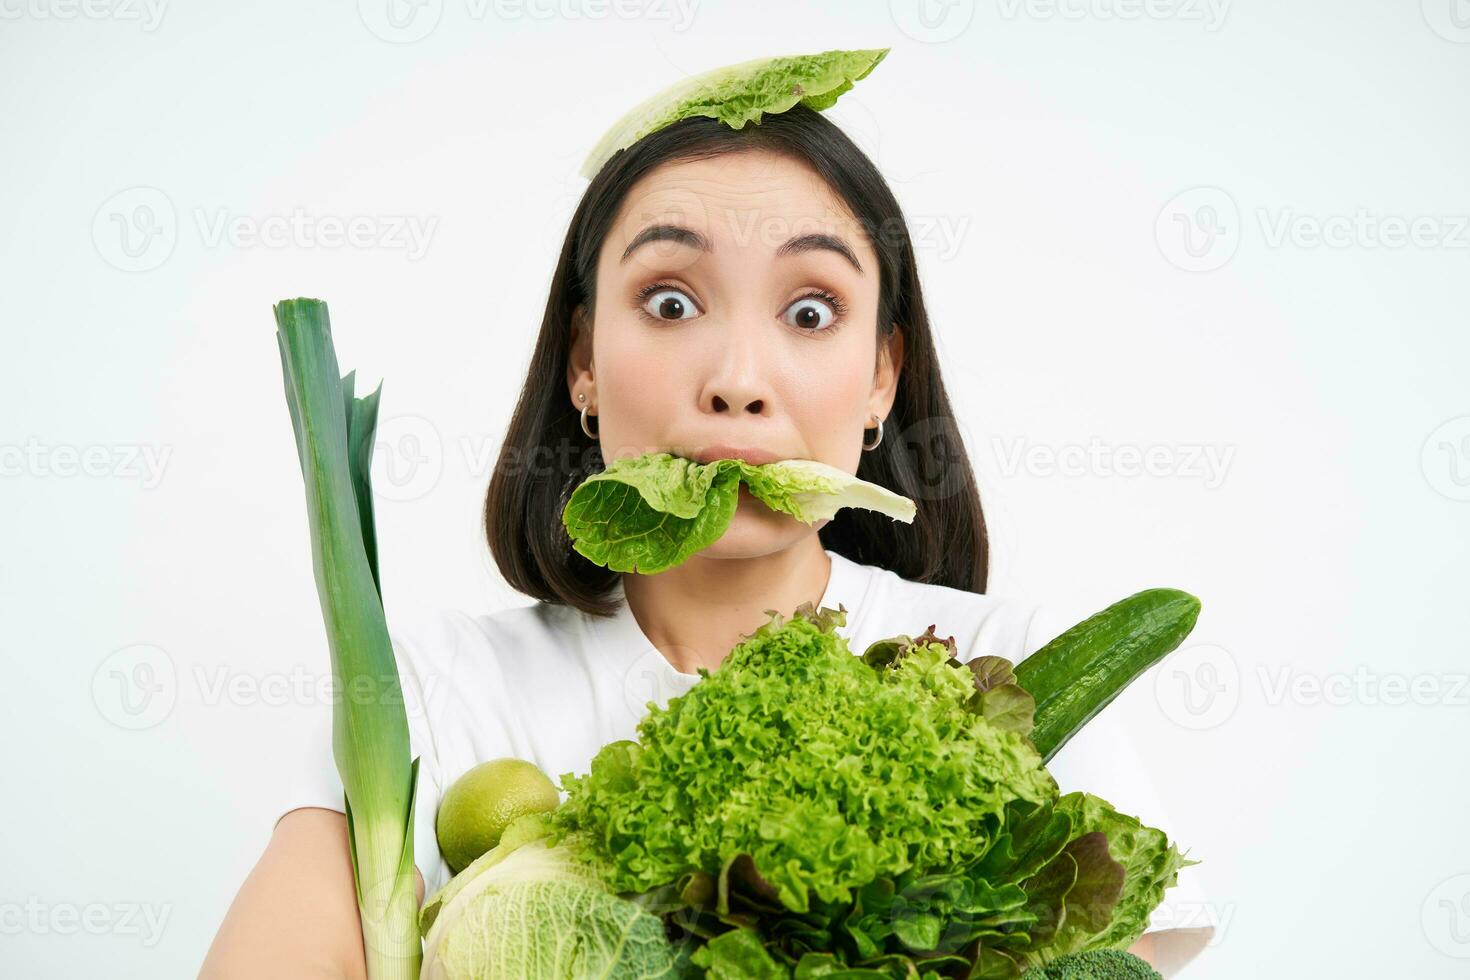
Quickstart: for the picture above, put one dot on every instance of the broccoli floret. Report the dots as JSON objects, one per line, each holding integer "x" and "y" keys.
{"x": 1094, "y": 964}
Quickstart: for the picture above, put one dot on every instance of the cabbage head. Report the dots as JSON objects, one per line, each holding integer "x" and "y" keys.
{"x": 528, "y": 910}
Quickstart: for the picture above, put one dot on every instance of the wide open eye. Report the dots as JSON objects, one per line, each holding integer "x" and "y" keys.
{"x": 670, "y": 304}
{"x": 812, "y": 313}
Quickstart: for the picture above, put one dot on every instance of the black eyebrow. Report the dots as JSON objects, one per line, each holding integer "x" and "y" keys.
{"x": 666, "y": 233}
{"x": 809, "y": 243}
{"x": 693, "y": 239}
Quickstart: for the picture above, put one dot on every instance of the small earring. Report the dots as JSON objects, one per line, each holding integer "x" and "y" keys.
{"x": 867, "y": 448}
{"x": 588, "y": 432}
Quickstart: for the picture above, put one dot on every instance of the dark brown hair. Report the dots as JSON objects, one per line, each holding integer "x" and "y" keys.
{"x": 546, "y": 455}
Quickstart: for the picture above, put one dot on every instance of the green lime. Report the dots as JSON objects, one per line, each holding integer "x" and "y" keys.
{"x": 478, "y": 806}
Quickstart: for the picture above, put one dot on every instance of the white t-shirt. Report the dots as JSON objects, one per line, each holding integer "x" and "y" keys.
{"x": 550, "y": 684}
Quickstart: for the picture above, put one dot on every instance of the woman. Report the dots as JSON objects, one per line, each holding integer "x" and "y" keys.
{"x": 721, "y": 293}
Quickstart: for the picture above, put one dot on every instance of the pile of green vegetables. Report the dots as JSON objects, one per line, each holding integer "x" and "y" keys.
{"x": 806, "y": 812}
{"x": 802, "y": 811}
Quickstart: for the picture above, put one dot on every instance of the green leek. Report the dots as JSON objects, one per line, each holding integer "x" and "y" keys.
{"x": 334, "y": 439}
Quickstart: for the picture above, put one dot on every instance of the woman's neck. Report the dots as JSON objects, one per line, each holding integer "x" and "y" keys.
{"x": 694, "y": 613}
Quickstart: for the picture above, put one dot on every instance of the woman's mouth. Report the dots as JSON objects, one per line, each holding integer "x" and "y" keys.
{"x": 755, "y": 457}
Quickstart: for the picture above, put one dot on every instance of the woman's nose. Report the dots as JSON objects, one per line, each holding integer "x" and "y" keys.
{"x": 755, "y": 406}
{"x": 739, "y": 382}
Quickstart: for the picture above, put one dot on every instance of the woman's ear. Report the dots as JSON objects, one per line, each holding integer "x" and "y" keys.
{"x": 579, "y": 357}
{"x": 885, "y": 377}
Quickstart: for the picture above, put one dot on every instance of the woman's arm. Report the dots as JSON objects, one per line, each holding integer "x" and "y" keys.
{"x": 295, "y": 917}
{"x": 1144, "y": 949}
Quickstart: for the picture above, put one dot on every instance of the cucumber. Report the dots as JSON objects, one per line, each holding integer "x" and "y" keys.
{"x": 1076, "y": 675}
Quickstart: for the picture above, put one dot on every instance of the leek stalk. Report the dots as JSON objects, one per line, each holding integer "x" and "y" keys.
{"x": 370, "y": 742}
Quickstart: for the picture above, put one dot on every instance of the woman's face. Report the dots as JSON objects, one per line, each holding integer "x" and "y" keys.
{"x": 736, "y": 316}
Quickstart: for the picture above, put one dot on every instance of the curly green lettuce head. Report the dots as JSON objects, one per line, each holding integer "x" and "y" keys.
{"x": 820, "y": 769}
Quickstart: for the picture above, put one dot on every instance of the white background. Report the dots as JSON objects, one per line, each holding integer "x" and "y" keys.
{"x": 1114, "y": 204}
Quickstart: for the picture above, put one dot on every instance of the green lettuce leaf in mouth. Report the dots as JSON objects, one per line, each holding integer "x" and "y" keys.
{"x": 738, "y": 94}
{"x": 649, "y": 513}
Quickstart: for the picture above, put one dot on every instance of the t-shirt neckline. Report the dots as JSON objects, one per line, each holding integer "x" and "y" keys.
{"x": 847, "y": 585}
